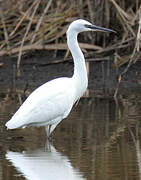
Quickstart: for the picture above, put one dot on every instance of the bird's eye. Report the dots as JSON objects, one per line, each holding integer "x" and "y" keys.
{"x": 86, "y": 25}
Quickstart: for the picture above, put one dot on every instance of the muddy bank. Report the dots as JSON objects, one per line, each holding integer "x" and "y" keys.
{"x": 39, "y": 67}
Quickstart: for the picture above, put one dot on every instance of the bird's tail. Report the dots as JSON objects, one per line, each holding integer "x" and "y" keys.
{"x": 13, "y": 125}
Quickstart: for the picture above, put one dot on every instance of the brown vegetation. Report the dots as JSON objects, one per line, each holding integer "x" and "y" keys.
{"x": 38, "y": 24}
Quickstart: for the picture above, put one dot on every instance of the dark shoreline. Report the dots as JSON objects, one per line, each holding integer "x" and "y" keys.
{"x": 39, "y": 68}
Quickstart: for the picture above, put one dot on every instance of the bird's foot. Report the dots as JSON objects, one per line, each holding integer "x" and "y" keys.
{"x": 49, "y": 138}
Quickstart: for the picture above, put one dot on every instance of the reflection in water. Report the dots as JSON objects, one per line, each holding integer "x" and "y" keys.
{"x": 44, "y": 164}
{"x": 1, "y": 170}
{"x": 136, "y": 141}
{"x": 100, "y": 138}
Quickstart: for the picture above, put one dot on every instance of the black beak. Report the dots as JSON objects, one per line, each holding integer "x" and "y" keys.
{"x": 98, "y": 28}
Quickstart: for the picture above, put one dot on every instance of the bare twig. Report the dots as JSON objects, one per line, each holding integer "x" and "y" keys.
{"x": 40, "y": 20}
{"x": 132, "y": 59}
{"x": 22, "y": 19}
{"x": 4, "y": 28}
{"x": 27, "y": 30}
{"x": 60, "y": 46}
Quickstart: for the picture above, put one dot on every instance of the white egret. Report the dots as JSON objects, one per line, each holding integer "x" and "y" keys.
{"x": 52, "y": 102}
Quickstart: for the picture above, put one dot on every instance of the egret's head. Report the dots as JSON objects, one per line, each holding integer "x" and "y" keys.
{"x": 81, "y": 25}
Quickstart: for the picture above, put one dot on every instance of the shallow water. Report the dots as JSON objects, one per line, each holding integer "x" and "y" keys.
{"x": 99, "y": 140}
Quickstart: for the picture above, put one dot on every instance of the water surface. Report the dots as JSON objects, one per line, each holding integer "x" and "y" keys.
{"x": 99, "y": 140}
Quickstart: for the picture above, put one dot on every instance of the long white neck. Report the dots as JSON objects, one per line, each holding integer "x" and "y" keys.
{"x": 80, "y": 72}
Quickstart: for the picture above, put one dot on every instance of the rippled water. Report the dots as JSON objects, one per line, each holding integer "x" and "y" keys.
{"x": 99, "y": 140}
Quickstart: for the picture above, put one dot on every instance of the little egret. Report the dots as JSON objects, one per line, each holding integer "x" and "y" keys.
{"x": 52, "y": 102}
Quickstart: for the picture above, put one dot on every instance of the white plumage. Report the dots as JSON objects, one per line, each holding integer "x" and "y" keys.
{"x": 53, "y": 101}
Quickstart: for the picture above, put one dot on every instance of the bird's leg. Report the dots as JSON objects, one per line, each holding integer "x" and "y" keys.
{"x": 47, "y": 145}
{"x": 48, "y": 132}
{"x": 50, "y": 129}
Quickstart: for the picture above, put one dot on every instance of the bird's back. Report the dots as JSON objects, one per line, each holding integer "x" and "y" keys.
{"x": 52, "y": 100}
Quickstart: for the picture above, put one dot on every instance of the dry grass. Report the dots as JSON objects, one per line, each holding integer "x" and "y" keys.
{"x": 27, "y": 25}
{"x": 43, "y": 22}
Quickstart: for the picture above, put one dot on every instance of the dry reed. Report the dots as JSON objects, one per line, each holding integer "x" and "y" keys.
{"x": 41, "y": 24}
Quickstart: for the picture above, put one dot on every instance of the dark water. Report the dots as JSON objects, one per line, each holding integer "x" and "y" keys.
{"x": 100, "y": 140}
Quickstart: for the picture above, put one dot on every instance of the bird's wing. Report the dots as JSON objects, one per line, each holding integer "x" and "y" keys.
{"x": 51, "y": 100}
